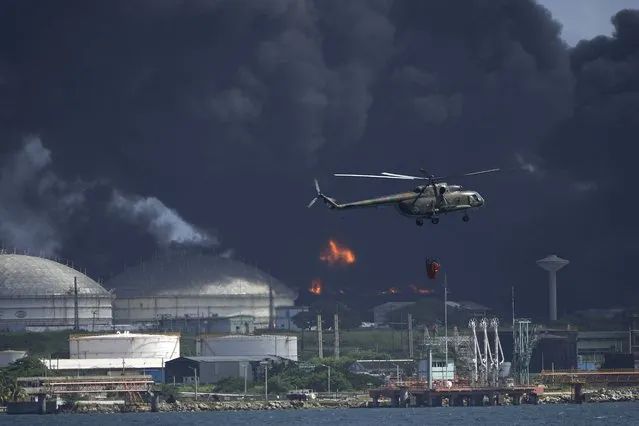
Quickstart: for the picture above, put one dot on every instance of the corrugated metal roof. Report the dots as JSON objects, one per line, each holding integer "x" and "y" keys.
{"x": 22, "y": 275}
{"x": 227, "y": 358}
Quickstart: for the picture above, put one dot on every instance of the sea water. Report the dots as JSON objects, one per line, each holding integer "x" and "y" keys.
{"x": 626, "y": 413}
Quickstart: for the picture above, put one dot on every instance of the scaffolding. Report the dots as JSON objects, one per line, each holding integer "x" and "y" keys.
{"x": 525, "y": 338}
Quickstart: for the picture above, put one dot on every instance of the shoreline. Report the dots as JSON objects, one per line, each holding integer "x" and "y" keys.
{"x": 594, "y": 396}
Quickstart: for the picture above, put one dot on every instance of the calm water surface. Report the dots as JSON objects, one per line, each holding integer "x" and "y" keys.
{"x": 579, "y": 415}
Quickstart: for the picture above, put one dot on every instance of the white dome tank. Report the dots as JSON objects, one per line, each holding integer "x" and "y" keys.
{"x": 39, "y": 293}
{"x": 265, "y": 345}
{"x": 125, "y": 345}
{"x": 195, "y": 285}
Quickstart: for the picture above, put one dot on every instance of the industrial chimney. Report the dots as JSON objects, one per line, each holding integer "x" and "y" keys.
{"x": 552, "y": 264}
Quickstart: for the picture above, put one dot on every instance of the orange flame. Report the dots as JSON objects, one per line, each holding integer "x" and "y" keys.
{"x": 335, "y": 253}
{"x": 417, "y": 290}
{"x": 316, "y": 287}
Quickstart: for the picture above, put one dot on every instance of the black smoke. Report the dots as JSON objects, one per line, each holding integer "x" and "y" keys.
{"x": 226, "y": 110}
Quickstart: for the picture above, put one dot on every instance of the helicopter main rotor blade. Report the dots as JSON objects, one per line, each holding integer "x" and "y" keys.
{"x": 371, "y": 176}
{"x": 403, "y": 176}
{"x": 481, "y": 172}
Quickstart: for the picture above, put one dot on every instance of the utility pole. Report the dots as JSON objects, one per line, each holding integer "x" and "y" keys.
{"x": 76, "y": 313}
{"x": 336, "y": 330}
{"x": 320, "y": 345}
{"x": 446, "y": 321}
{"x": 410, "y": 336}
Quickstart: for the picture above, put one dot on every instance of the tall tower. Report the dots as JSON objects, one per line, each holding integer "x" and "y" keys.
{"x": 552, "y": 264}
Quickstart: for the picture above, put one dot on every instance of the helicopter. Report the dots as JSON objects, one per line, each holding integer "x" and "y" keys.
{"x": 428, "y": 201}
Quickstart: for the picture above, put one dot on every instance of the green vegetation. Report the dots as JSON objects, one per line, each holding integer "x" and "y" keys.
{"x": 53, "y": 344}
{"x": 293, "y": 376}
{"x": 25, "y": 367}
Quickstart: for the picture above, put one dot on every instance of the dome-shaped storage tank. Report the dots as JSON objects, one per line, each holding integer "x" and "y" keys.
{"x": 264, "y": 345}
{"x": 196, "y": 285}
{"x": 40, "y": 293}
{"x": 125, "y": 345}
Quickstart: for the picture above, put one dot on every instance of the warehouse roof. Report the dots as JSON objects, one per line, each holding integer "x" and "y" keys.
{"x": 226, "y": 358}
{"x": 104, "y": 363}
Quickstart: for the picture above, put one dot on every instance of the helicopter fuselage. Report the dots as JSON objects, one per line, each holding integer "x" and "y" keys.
{"x": 427, "y": 206}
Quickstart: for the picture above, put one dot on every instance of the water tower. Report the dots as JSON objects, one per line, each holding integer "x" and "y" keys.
{"x": 552, "y": 264}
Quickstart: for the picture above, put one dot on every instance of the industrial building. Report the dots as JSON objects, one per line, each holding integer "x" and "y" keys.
{"x": 108, "y": 366}
{"x": 440, "y": 370}
{"x": 211, "y": 369}
{"x": 239, "y": 345}
{"x": 284, "y": 317}
{"x": 119, "y": 353}
{"x": 187, "y": 285}
{"x": 42, "y": 293}
{"x": 124, "y": 345}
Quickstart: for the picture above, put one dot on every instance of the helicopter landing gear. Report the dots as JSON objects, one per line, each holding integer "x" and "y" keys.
{"x": 419, "y": 222}
{"x": 465, "y": 218}
{"x": 435, "y": 220}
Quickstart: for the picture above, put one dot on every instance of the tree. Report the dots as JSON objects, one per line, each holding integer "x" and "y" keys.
{"x": 304, "y": 320}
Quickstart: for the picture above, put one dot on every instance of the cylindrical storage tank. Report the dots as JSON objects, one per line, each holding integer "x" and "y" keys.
{"x": 7, "y": 357}
{"x": 237, "y": 345}
{"x": 125, "y": 345}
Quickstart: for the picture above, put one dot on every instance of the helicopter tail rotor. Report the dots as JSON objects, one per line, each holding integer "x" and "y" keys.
{"x": 329, "y": 201}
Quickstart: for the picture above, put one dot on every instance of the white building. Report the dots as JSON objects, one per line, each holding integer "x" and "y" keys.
{"x": 440, "y": 370}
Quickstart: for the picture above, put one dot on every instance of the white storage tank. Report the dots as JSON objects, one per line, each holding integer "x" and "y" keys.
{"x": 7, "y": 357}
{"x": 125, "y": 345}
{"x": 242, "y": 345}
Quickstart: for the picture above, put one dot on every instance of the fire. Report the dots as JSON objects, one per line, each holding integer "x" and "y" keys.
{"x": 335, "y": 253}
{"x": 316, "y": 287}
{"x": 417, "y": 290}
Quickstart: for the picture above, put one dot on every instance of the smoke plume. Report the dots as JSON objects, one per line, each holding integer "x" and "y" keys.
{"x": 34, "y": 202}
{"x": 37, "y": 205}
{"x": 165, "y": 224}
{"x": 244, "y": 102}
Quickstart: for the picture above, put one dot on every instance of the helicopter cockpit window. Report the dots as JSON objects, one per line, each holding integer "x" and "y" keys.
{"x": 417, "y": 189}
{"x": 476, "y": 198}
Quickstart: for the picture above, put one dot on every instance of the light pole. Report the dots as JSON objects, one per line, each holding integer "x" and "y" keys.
{"x": 329, "y": 377}
{"x": 446, "y": 322}
{"x": 195, "y": 378}
{"x": 245, "y": 377}
{"x": 265, "y": 364}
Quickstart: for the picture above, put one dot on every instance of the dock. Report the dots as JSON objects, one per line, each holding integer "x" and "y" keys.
{"x": 417, "y": 396}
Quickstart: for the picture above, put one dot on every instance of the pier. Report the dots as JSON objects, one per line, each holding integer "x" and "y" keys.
{"x": 417, "y": 396}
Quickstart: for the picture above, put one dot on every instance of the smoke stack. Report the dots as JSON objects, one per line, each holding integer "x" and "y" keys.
{"x": 552, "y": 264}
{"x": 320, "y": 345}
{"x": 336, "y": 329}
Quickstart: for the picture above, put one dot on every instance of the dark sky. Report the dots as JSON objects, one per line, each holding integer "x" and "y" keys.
{"x": 225, "y": 111}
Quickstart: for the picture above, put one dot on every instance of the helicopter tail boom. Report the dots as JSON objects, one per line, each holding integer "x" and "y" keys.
{"x": 330, "y": 202}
